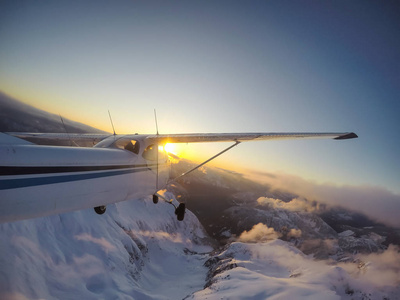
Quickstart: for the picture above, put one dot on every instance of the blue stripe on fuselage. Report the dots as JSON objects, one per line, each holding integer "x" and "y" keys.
{"x": 35, "y": 181}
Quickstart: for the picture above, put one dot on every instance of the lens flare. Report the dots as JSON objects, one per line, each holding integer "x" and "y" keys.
{"x": 170, "y": 148}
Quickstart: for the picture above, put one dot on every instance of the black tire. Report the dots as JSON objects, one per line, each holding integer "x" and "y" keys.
{"x": 155, "y": 199}
{"x": 100, "y": 209}
{"x": 180, "y": 211}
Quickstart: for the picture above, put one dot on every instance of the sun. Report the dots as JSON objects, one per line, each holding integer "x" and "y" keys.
{"x": 170, "y": 148}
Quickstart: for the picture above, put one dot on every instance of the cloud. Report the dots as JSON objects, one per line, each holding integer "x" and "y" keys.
{"x": 296, "y": 204}
{"x": 70, "y": 271}
{"x": 87, "y": 266}
{"x": 377, "y": 269}
{"x": 31, "y": 248}
{"x": 377, "y": 203}
{"x": 270, "y": 202}
{"x": 106, "y": 245}
{"x": 295, "y": 233}
{"x": 259, "y": 233}
{"x": 160, "y": 235}
{"x": 319, "y": 248}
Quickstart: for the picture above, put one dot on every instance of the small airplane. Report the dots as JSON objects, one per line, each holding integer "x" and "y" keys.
{"x": 41, "y": 180}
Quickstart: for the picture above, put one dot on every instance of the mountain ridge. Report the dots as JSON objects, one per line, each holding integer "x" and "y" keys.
{"x": 17, "y": 116}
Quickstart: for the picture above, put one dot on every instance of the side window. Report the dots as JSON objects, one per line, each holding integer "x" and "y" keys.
{"x": 132, "y": 145}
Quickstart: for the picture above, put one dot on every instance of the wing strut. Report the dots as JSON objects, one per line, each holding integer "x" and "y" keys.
{"x": 202, "y": 164}
{"x": 180, "y": 209}
{"x": 112, "y": 124}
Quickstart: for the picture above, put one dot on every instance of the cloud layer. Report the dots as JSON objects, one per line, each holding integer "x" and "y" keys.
{"x": 296, "y": 204}
{"x": 259, "y": 233}
{"x": 377, "y": 203}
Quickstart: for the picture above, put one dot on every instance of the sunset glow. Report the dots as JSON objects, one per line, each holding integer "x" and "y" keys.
{"x": 170, "y": 148}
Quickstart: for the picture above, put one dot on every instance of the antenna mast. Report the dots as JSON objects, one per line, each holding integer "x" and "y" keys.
{"x": 155, "y": 117}
{"x": 112, "y": 124}
{"x": 66, "y": 131}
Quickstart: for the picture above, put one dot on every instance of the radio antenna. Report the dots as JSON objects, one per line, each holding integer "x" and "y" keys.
{"x": 66, "y": 131}
{"x": 112, "y": 124}
{"x": 155, "y": 117}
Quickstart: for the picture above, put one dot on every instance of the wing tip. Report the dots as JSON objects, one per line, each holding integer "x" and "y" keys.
{"x": 347, "y": 136}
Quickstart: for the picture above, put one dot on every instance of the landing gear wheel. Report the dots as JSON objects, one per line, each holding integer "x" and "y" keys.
{"x": 180, "y": 211}
{"x": 155, "y": 199}
{"x": 100, "y": 209}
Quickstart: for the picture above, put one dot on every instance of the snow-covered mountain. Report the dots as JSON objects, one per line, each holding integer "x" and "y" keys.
{"x": 16, "y": 116}
{"x": 137, "y": 250}
{"x": 277, "y": 270}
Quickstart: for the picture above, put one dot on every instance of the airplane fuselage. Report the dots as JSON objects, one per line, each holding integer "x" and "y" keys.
{"x": 37, "y": 181}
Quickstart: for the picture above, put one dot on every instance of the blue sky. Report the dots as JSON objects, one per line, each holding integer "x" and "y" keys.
{"x": 224, "y": 66}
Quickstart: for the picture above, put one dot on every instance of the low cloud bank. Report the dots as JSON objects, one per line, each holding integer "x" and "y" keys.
{"x": 377, "y": 203}
{"x": 294, "y": 233}
{"x": 259, "y": 233}
{"x": 377, "y": 269}
{"x": 296, "y": 204}
{"x": 102, "y": 242}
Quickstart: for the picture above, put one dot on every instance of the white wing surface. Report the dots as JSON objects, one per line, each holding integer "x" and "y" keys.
{"x": 244, "y": 137}
{"x": 190, "y": 137}
{"x": 84, "y": 137}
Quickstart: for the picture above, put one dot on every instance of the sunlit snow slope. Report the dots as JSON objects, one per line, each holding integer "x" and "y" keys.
{"x": 277, "y": 270}
{"x": 136, "y": 250}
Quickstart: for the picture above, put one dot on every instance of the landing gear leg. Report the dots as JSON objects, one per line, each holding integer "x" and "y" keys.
{"x": 180, "y": 211}
{"x": 155, "y": 199}
{"x": 100, "y": 209}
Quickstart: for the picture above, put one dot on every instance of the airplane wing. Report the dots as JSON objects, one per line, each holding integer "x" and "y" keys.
{"x": 63, "y": 137}
{"x": 191, "y": 137}
{"x": 244, "y": 137}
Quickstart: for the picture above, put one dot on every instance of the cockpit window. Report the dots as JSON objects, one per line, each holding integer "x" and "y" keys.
{"x": 132, "y": 145}
{"x": 121, "y": 143}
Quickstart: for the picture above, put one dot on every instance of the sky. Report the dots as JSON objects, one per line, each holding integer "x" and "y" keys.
{"x": 222, "y": 66}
